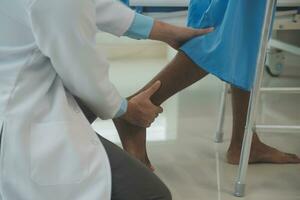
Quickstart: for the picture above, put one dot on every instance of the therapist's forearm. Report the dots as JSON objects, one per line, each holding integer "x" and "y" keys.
{"x": 161, "y": 31}
{"x": 145, "y": 27}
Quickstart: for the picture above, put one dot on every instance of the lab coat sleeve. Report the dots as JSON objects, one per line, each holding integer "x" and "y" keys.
{"x": 65, "y": 31}
{"x": 113, "y": 17}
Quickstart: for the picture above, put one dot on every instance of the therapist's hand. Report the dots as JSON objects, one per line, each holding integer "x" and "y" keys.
{"x": 141, "y": 111}
{"x": 175, "y": 36}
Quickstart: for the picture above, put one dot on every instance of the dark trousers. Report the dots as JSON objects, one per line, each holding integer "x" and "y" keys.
{"x": 131, "y": 180}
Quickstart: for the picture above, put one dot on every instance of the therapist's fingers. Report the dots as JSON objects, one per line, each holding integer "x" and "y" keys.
{"x": 151, "y": 114}
{"x": 151, "y": 90}
{"x": 199, "y": 32}
{"x": 141, "y": 111}
{"x": 158, "y": 110}
{"x": 183, "y": 34}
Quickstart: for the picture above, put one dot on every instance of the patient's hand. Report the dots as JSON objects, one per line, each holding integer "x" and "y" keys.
{"x": 175, "y": 36}
{"x": 141, "y": 111}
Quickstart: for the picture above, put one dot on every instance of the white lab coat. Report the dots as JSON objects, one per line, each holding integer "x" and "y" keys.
{"x": 48, "y": 52}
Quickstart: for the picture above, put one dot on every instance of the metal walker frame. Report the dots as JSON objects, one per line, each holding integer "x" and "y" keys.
{"x": 251, "y": 125}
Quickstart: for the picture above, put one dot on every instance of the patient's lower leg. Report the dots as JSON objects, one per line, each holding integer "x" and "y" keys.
{"x": 260, "y": 152}
{"x": 180, "y": 73}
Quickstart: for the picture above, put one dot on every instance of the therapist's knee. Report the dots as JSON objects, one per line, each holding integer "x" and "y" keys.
{"x": 168, "y": 195}
{"x": 165, "y": 193}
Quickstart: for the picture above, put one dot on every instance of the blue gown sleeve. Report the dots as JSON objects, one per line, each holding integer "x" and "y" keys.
{"x": 122, "y": 109}
{"x": 141, "y": 27}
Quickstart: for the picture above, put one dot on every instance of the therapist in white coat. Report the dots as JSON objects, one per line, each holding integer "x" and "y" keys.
{"x": 48, "y": 149}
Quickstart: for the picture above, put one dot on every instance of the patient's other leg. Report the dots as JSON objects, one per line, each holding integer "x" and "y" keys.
{"x": 260, "y": 152}
{"x": 180, "y": 73}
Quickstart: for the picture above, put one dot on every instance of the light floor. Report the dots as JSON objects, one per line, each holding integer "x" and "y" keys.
{"x": 181, "y": 143}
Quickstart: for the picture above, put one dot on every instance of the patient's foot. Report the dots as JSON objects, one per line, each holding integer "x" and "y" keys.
{"x": 133, "y": 139}
{"x": 261, "y": 153}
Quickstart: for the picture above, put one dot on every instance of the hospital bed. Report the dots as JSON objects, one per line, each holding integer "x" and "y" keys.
{"x": 285, "y": 20}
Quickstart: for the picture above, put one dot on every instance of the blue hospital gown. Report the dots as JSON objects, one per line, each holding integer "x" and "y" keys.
{"x": 231, "y": 51}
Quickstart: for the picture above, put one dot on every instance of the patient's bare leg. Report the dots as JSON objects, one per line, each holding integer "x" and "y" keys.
{"x": 180, "y": 73}
{"x": 260, "y": 152}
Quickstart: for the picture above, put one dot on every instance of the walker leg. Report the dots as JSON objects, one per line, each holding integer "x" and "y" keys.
{"x": 220, "y": 132}
{"x": 240, "y": 183}
{"x": 239, "y": 189}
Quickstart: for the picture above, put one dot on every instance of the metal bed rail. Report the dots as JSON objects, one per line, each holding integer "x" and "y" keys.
{"x": 160, "y": 3}
{"x": 185, "y": 3}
